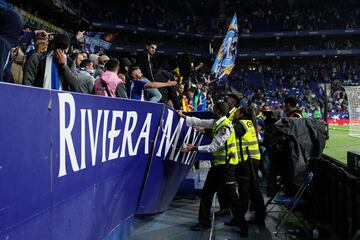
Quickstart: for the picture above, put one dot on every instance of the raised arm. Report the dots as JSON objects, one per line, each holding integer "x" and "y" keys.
{"x": 160, "y": 84}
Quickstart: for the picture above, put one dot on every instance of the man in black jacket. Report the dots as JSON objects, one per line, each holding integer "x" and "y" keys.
{"x": 144, "y": 60}
{"x": 169, "y": 96}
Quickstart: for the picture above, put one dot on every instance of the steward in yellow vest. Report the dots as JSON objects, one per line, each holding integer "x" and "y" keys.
{"x": 249, "y": 164}
{"x": 226, "y": 154}
{"x": 248, "y": 142}
{"x": 221, "y": 176}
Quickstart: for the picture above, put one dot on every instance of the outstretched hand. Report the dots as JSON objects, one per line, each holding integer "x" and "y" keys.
{"x": 199, "y": 129}
{"x": 172, "y": 83}
{"x": 180, "y": 113}
{"x": 187, "y": 149}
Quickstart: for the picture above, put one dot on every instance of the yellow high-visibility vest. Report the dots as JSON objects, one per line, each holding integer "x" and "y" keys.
{"x": 220, "y": 154}
{"x": 249, "y": 142}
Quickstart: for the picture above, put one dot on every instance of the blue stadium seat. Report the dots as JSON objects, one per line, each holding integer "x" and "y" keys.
{"x": 292, "y": 202}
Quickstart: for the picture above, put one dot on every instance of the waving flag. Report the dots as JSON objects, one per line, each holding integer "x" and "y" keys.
{"x": 96, "y": 40}
{"x": 225, "y": 59}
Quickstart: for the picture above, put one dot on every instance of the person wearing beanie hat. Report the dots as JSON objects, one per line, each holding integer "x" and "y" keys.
{"x": 54, "y": 71}
{"x": 11, "y": 26}
{"x": 60, "y": 41}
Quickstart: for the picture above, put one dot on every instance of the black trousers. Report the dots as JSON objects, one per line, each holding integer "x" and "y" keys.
{"x": 256, "y": 196}
{"x": 242, "y": 174}
{"x": 248, "y": 188}
{"x": 221, "y": 179}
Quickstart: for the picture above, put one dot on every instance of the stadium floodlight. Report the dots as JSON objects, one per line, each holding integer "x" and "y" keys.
{"x": 353, "y": 96}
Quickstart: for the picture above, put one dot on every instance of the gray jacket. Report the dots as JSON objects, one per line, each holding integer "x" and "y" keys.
{"x": 31, "y": 69}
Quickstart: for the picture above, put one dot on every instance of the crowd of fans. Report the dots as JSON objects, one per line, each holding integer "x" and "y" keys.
{"x": 271, "y": 84}
{"x": 60, "y": 62}
{"x": 210, "y": 17}
{"x": 341, "y": 44}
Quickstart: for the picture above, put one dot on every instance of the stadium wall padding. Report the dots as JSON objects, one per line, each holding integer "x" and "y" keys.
{"x": 336, "y": 197}
{"x": 76, "y": 166}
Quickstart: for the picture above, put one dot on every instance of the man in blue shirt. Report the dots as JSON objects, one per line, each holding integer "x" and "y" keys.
{"x": 144, "y": 90}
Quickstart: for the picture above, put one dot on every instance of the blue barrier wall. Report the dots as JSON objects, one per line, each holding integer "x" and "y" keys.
{"x": 76, "y": 166}
{"x": 162, "y": 181}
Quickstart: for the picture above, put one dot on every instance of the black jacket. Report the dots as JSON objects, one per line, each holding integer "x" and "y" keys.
{"x": 11, "y": 26}
{"x": 295, "y": 141}
{"x": 168, "y": 93}
{"x": 144, "y": 62}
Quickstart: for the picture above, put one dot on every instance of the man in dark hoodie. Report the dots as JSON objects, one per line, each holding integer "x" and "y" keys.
{"x": 11, "y": 26}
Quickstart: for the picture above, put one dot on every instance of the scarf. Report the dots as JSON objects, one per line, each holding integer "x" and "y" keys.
{"x": 51, "y": 76}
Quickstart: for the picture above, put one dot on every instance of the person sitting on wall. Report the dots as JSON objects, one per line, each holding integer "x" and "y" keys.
{"x": 144, "y": 90}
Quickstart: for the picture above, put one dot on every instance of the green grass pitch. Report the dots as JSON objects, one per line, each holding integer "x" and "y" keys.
{"x": 340, "y": 142}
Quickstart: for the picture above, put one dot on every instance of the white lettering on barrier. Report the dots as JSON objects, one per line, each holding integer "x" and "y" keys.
{"x": 194, "y": 153}
{"x": 106, "y": 116}
{"x": 170, "y": 138}
{"x": 65, "y": 133}
{"x": 113, "y": 134}
{"x": 186, "y": 157}
{"x": 127, "y": 139}
{"x": 66, "y": 102}
{"x": 177, "y": 132}
{"x": 145, "y": 134}
{"x": 93, "y": 139}
{"x": 83, "y": 157}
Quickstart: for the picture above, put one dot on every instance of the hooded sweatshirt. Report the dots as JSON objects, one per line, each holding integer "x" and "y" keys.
{"x": 11, "y": 26}
{"x": 107, "y": 82}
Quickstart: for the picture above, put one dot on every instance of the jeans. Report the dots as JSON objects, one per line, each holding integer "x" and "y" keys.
{"x": 152, "y": 95}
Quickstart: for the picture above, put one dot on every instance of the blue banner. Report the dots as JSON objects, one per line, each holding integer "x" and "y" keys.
{"x": 162, "y": 180}
{"x": 225, "y": 59}
{"x": 82, "y": 166}
{"x": 98, "y": 41}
